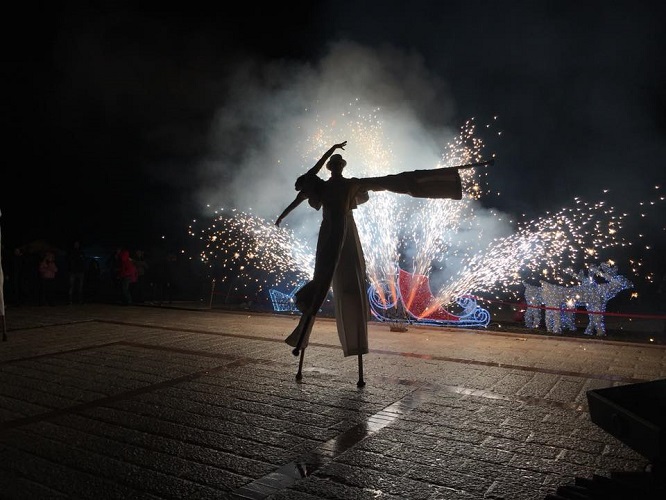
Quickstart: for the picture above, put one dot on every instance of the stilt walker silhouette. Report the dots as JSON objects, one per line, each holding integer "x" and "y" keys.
{"x": 339, "y": 258}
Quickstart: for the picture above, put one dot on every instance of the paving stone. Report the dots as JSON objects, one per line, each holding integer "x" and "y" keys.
{"x": 13, "y": 486}
{"x": 54, "y": 475}
{"x": 322, "y": 488}
{"x": 381, "y": 482}
{"x": 142, "y": 402}
{"x": 222, "y": 437}
{"x": 139, "y": 478}
{"x": 470, "y": 483}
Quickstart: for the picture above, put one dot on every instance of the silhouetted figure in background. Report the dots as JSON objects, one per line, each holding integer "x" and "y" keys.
{"x": 113, "y": 272}
{"x": 170, "y": 277}
{"x": 3, "y": 323}
{"x": 17, "y": 277}
{"x": 47, "y": 275}
{"x": 163, "y": 271}
{"x": 126, "y": 275}
{"x": 139, "y": 288}
{"x": 76, "y": 260}
{"x": 93, "y": 280}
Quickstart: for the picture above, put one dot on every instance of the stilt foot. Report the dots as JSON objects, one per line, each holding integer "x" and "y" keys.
{"x": 299, "y": 374}
{"x": 360, "y": 382}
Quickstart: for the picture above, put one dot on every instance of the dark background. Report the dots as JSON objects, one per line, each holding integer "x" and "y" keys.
{"x": 108, "y": 106}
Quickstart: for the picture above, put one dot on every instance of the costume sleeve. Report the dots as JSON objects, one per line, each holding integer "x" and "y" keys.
{"x": 435, "y": 183}
{"x": 310, "y": 185}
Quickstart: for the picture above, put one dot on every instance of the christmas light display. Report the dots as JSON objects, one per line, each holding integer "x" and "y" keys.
{"x": 284, "y": 302}
{"x": 462, "y": 248}
{"x": 533, "y": 299}
{"x": 415, "y": 297}
{"x": 560, "y": 302}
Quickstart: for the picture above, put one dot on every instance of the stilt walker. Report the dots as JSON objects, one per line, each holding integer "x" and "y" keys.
{"x": 339, "y": 261}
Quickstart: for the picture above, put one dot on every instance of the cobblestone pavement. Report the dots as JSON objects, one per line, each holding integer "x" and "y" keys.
{"x": 105, "y": 401}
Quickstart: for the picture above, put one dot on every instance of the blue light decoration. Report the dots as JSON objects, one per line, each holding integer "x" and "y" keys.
{"x": 284, "y": 302}
{"x": 410, "y": 302}
{"x": 414, "y": 296}
{"x": 561, "y": 301}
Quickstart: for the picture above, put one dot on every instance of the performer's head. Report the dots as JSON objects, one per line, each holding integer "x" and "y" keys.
{"x": 336, "y": 163}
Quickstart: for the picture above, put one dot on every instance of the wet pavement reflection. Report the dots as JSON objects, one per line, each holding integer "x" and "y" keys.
{"x": 306, "y": 465}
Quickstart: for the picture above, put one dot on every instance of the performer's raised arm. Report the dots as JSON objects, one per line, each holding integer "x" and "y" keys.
{"x": 317, "y": 167}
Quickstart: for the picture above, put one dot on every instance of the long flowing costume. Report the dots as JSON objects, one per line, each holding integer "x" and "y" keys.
{"x": 339, "y": 257}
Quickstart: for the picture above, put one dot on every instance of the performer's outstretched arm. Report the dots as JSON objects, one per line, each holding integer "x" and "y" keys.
{"x": 297, "y": 201}
{"x": 432, "y": 183}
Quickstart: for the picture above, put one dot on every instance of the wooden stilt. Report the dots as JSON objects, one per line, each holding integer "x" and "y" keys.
{"x": 361, "y": 382}
{"x": 299, "y": 374}
{"x": 305, "y": 325}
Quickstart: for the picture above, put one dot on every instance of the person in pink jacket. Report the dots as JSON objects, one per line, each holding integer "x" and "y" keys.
{"x": 47, "y": 275}
{"x": 127, "y": 274}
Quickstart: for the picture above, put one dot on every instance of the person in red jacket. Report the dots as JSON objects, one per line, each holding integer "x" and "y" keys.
{"x": 47, "y": 274}
{"x": 127, "y": 274}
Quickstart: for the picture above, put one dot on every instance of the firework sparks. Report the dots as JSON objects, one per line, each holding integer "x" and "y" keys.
{"x": 253, "y": 250}
{"x": 420, "y": 235}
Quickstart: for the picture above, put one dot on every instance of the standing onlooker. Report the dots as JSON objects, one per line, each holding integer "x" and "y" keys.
{"x": 17, "y": 277}
{"x": 170, "y": 276}
{"x": 113, "y": 273}
{"x": 77, "y": 270}
{"x": 93, "y": 280}
{"x": 47, "y": 275}
{"x": 141, "y": 265}
{"x": 127, "y": 276}
{"x": 164, "y": 272}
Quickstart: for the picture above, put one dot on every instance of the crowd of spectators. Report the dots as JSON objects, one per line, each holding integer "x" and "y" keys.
{"x": 39, "y": 273}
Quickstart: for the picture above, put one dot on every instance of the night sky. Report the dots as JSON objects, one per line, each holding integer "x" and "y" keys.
{"x": 114, "y": 115}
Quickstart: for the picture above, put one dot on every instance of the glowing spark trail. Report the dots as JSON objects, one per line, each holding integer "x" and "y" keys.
{"x": 465, "y": 248}
{"x": 552, "y": 248}
{"x": 252, "y": 250}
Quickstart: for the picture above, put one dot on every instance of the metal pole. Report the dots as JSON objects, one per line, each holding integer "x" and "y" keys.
{"x": 212, "y": 291}
{"x": 3, "y": 325}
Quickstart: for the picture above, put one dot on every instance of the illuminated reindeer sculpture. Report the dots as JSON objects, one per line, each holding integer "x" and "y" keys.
{"x": 594, "y": 296}
{"x": 533, "y": 299}
{"x": 560, "y": 301}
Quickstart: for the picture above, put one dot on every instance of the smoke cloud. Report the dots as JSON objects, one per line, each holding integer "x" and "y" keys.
{"x": 282, "y": 116}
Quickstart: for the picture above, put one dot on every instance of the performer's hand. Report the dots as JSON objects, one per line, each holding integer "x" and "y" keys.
{"x": 341, "y": 145}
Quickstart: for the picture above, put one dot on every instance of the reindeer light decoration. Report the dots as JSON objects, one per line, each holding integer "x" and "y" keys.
{"x": 560, "y": 302}
{"x": 533, "y": 310}
{"x": 595, "y": 295}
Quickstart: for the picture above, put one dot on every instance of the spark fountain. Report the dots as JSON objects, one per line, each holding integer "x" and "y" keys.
{"x": 248, "y": 252}
{"x": 421, "y": 238}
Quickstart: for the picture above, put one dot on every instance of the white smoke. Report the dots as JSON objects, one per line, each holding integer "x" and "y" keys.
{"x": 259, "y": 139}
{"x": 281, "y": 117}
